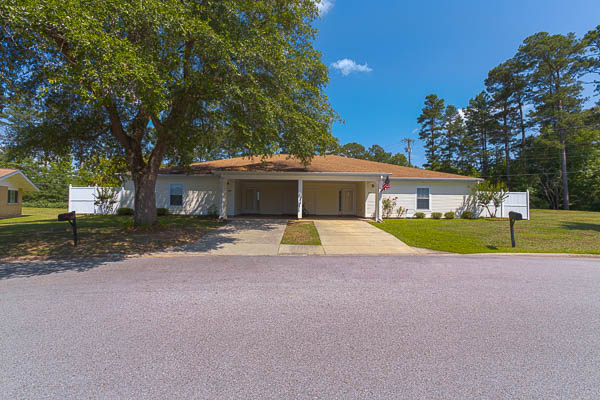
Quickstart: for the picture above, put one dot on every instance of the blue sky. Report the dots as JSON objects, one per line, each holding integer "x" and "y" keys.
{"x": 407, "y": 50}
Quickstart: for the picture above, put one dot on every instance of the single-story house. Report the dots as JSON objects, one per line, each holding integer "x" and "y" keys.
{"x": 281, "y": 185}
{"x": 12, "y": 185}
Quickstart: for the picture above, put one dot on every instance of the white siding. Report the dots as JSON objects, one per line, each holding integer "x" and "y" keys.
{"x": 371, "y": 200}
{"x": 200, "y": 193}
{"x": 443, "y": 196}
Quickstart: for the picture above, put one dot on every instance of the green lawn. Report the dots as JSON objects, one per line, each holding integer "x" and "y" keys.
{"x": 38, "y": 233}
{"x": 548, "y": 231}
{"x": 301, "y": 232}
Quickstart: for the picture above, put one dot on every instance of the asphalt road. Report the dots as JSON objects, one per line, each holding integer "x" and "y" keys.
{"x": 447, "y": 327}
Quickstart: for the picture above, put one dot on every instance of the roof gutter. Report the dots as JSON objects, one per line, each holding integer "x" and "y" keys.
{"x": 218, "y": 173}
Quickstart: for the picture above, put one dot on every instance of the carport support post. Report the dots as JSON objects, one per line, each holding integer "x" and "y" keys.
{"x": 299, "y": 198}
{"x": 223, "y": 207}
{"x": 379, "y": 205}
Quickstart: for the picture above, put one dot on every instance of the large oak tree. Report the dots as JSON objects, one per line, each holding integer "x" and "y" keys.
{"x": 163, "y": 79}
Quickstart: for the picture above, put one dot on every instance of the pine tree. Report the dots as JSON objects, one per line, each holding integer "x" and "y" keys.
{"x": 432, "y": 123}
{"x": 480, "y": 124}
{"x": 554, "y": 64}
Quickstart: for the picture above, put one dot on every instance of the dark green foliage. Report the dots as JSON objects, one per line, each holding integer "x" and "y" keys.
{"x": 419, "y": 215}
{"x": 449, "y": 215}
{"x": 529, "y": 129}
{"x": 374, "y": 153}
{"x": 161, "y": 212}
{"x": 125, "y": 211}
{"x": 467, "y": 214}
{"x": 162, "y": 80}
{"x": 436, "y": 215}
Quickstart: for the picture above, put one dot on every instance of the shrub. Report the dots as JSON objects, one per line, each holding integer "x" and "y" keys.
{"x": 388, "y": 206}
{"x": 45, "y": 204}
{"x": 467, "y": 215}
{"x": 449, "y": 215}
{"x": 436, "y": 215}
{"x": 420, "y": 215}
{"x": 125, "y": 211}
{"x": 161, "y": 212}
{"x": 401, "y": 211}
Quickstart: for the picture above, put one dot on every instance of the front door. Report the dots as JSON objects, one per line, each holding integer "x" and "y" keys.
{"x": 348, "y": 202}
{"x": 251, "y": 201}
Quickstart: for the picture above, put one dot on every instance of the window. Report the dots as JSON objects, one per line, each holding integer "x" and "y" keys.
{"x": 422, "y": 198}
{"x": 176, "y": 195}
{"x": 13, "y": 197}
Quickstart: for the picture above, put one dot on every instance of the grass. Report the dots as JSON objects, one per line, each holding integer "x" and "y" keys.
{"x": 38, "y": 233}
{"x": 301, "y": 232}
{"x": 548, "y": 231}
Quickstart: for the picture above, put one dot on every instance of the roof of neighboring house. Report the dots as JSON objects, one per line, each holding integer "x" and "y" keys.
{"x": 18, "y": 179}
{"x": 323, "y": 164}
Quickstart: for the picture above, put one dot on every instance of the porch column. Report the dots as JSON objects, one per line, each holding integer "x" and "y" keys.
{"x": 299, "y": 198}
{"x": 223, "y": 206}
{"x": 379, "y": 205}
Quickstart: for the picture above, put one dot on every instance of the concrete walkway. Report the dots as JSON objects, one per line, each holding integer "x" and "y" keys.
{"x": 359, "y": 237}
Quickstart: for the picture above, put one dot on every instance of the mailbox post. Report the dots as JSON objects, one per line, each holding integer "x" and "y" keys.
{"x": 71, "y": 218}
{"x": 513, "y": 216}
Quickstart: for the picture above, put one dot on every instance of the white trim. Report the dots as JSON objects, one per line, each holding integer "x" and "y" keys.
{"x": 417, "y": 209}
{"x": 182, "y": 194}
{"x": 23, "y": 175}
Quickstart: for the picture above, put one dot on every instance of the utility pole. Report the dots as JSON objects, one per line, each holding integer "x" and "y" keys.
{"x": 408, "y": 148}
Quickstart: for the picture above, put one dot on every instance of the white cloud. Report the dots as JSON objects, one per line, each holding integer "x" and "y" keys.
{"x": 324, "y": 6}
{"x": 347, "y": 66}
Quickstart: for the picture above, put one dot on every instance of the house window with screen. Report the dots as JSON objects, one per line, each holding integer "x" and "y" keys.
{"x": 13, "y": 196}
{"x": 422, "y": 198}
{"x": 176, "y": 195}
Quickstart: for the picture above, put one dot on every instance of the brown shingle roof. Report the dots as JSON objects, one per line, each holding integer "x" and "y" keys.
{"x": 6, "y": 171}
{"x": 328, "y": 163}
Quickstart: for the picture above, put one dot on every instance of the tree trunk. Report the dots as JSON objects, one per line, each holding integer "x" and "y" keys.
{"x": 523, "y": 138}
{"x": 563, "y": 165}
{"x": 145, "y": 199}
{"x": 506, "y": 148}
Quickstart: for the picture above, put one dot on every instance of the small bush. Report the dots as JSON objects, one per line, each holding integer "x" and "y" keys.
{"x": 467, "y": 215}
{"x": 45, "y": 204}
{"x": 125, "y": 211}
{"x": 436, "y": 215}
{"x": 420, "y": 215}
{"x": 161, "y": 212}
{"x": 449, "y": 215}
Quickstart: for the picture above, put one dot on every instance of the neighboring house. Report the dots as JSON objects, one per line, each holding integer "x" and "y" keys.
{"x": 12, "y": 185}
{"x": 279, "y": 185}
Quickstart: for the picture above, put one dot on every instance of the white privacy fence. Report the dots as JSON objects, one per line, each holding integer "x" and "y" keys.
{"x": 83, "y": 200}
{"x": 515, "y": 201}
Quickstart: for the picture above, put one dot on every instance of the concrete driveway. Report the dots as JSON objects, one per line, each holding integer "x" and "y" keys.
{"x": 262, "y": 237}
{"x": 357, "y": 327}
{"x": 248, "y": 237}
{"x": 352, "y": 236}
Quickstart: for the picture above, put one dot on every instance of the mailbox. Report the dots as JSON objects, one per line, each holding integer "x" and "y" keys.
{"x": 513, "y": 216}
{"x": 67, "y": 216}
{"x": 71, "y": 218}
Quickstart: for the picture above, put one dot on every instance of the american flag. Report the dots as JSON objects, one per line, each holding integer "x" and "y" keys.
{"x": 386, "y": 184}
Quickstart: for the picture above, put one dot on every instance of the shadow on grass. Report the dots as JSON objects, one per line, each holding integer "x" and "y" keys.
{"x": 25, "y": 269}
{"x": 581, "y": 226}
{"x": 489, "y": 246}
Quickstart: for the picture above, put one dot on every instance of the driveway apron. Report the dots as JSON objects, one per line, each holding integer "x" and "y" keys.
{"x": 359, "y": 237}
